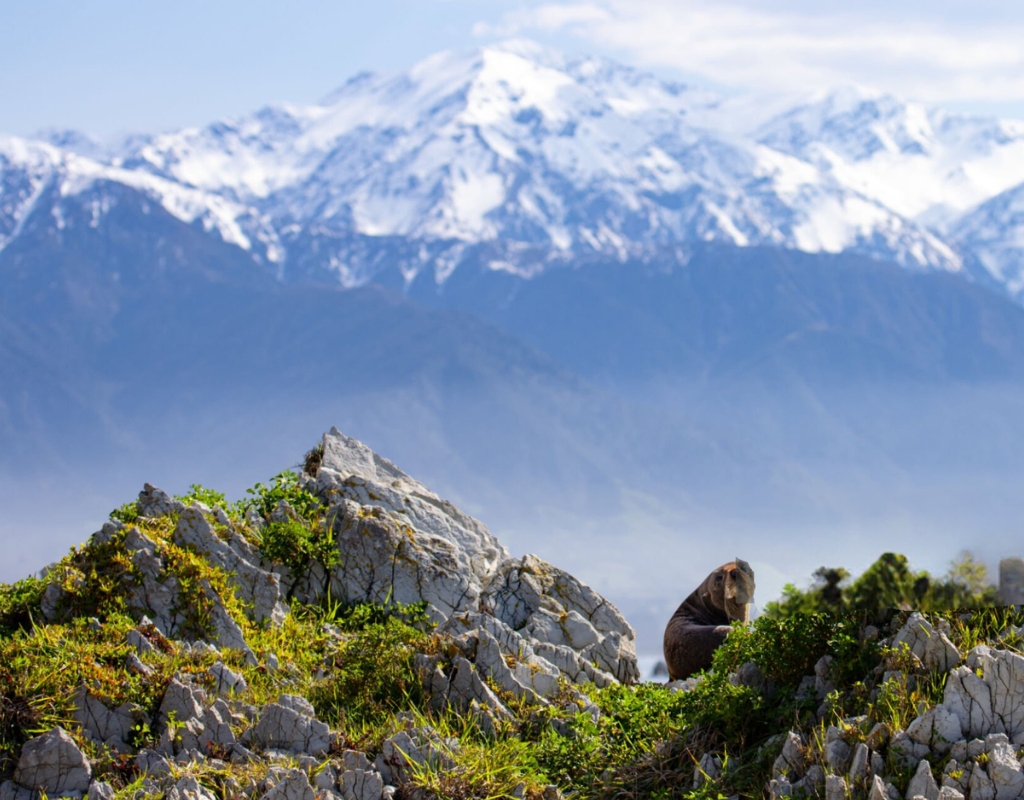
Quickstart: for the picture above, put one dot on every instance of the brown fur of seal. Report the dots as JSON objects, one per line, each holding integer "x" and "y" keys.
{"x": 701, "y": 623}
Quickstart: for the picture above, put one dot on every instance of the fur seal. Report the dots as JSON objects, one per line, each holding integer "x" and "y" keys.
{"x": 701, "y": 623}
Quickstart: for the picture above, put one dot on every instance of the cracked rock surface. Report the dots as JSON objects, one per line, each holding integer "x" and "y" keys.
{"x": 930, "y": 645}
{"x": 52, "y": 763}
{"x": 293, "y": 786}
{"x": 291, "y": 724}
{"x": 401, "y": 542}
{"x": 112, "y": 727}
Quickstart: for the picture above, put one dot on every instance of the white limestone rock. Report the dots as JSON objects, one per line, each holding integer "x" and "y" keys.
{"x": 709, "y": 768}
{"x": 217, "y": 721}
{"x": 151, "y": 762}
{"x": 950, "y": 793}
{"x": 397, "y": 755}
{"x": 142, "y": 645}
{"x": 351, "y": 470}
{"x": 182, "y": 701}
{"x": 111, "y": 727}
{"x": 188, "y": 788}
{"x": 909, "y": 751}
{"x": 748, "y": 674}
{"x": 157, "y": 594}
{"x": 465, "y": 686}
{"x": 811, "y": 784}
{"x": 792, "y": 762}
{"x": 835, "y": 787}
{"x": 400, "y": 542}
{"x": 544, "y": 660}
{"x": 880, "y": 789}
{"x": 361, "y": 784}
{"x": 970, "y": 699}
{"x": 490, "y": 661}
{"x": 932, "y": 646}
{"x": 1005, "y": 771}
{"x": 981, "y": 786}
{"x": 859, "y": 764}
{"x": 291, "y": 724}
{"x": 100, "y": 790}
{"x": 195, "y": 727}
{"x": 226, "y": 682}
{"x": 837, "y": 755}
{"x": 420, "y": 746}
{"x": 9, "y": 790}
{"x": 957, "y": 775}
{"x": 1005, "y": 677}
{"x": 134, "y": 665}
{"x": 937, "y": 729}
{"x": 234, "y": 555}
{"x": 524, "y": 594}
{"x": 326, "y": 779}
{"x": 294, "y": 785}
{"x": 923, "y": 783}
{"x": 387, "y": 560}
{"x": 992, "y": 704}
{"x": 979, "y": 657}
{"x": 154, "y": 502}
{"x": 52, "y": 763}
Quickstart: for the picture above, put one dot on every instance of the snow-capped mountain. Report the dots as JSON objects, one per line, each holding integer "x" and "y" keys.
{"x": 924, "y": 163}
{"x": 32, "y": 172}
{"x": 993, "y": 235}
{"x": 514, "y": 158}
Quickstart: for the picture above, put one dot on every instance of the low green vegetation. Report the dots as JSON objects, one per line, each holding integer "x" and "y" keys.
{"x": 358, "y": 667}
{"x": 889, "y": 583}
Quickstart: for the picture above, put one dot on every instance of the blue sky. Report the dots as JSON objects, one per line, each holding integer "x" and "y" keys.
{"x": 110, "y": 66}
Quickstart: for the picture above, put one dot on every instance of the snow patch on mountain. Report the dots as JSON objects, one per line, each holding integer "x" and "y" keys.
{"x": 925, "y": 164}
{"x": 994, "y": 235}
{"x": 28, "y": 168}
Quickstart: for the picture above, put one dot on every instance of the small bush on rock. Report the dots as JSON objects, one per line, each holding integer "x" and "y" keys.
{"x": 292, "y": 543}
{"x": 284, "y": 487}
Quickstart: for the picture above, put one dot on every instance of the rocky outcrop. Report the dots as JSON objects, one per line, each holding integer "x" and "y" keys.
{"x": 513, "y": 628}
{"x": 403, "y": 543}
{"x": 350, "y": 470}
{"x": 976, "y": 732}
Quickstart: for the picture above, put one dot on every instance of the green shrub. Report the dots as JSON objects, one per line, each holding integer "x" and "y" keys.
{"x": 128, "y": 513}
{"x": 284, "y": 486}
{"x": 19, "y": 604}
{"x": 293, "y": 543}
{"x": 208, "y": 497}
{"x": 889, "y": 583}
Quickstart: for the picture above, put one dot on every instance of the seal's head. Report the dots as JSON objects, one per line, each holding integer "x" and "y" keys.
{"x": 731, "y": 588}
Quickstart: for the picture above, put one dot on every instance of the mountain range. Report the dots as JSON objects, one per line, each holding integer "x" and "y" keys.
{"x": 634, "y": 326}
{"x": 517, "y": 158}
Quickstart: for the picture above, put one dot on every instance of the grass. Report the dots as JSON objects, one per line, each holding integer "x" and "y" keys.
{"x": 358, "y": 667}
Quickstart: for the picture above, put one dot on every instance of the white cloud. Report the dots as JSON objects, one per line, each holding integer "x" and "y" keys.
{"x": 910, "y": 48}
